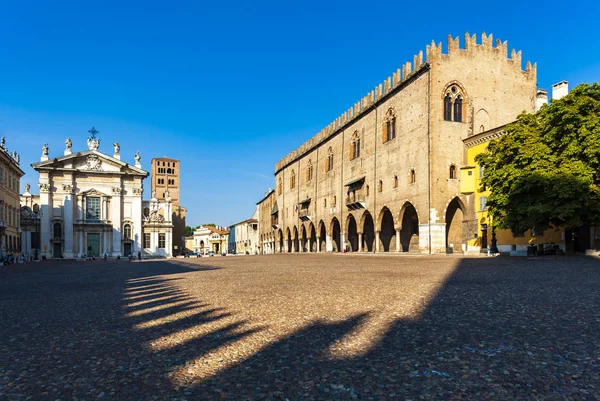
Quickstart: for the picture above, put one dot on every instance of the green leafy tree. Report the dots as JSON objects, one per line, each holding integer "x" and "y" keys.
{"x": 209, "y": 225}
{"x": 546, "y": 170}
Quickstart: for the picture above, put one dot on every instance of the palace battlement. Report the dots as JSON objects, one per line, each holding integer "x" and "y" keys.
{"x": 404, "y": 75}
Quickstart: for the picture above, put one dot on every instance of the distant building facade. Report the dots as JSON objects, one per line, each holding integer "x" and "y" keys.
{"x": 267, "y": 223}
{"x": 209, "y": 238}
{"x": 166, "y": 178}
{"x": 243, "y": 236}
{"x": 10, "y": 181}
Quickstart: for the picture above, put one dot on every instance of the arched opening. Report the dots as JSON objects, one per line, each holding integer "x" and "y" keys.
{"x": 312, "y": 247}
{"x": 322, "y": 237}
{"x": 304, "y": 240}
{"x": 409, "y": 234}
{"x": 127, "y": 231}
{"x": 387, "y": 234}
{"x": 296, "y": 240}
{"x": 280, "y": 235}
{"x": 352, "y": 231}
{"x": 454, "y": 225}
{"x": 368, "y": 232}
{"x": 335, "y": 235}
{"x": 289, "y": 241}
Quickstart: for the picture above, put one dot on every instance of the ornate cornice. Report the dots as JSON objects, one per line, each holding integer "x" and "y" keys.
{"x": 45, "y": 187}
{"x": 117, "y": 191}
{"x": 484, "y": 137}
{"x": 137, "y": 191}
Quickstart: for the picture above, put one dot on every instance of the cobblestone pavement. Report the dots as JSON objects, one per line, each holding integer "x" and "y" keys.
{"x": 302, "y": 327}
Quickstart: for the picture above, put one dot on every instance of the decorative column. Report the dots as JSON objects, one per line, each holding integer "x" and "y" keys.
{"x": 328, "y": 243}
{"x": 376, "y": 241}
{"x": 45, "y": 209}
{"x": 318, "y": 244}
{"x": 117, "y": 220}
{"x": 360, "y": 241}
{"x": 342, "y": 242}
{"x": 69, "y": 251}
{"x": 398, "y": 240}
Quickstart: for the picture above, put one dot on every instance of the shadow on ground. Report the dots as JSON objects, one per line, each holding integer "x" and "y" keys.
{"x": 497, "y": 329}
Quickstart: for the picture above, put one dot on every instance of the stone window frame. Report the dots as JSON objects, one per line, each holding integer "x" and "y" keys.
{"x": 126, "y": 224}
{"x": 280, "y": 186}
{"x": 452, "y": 172}
{"x": 309, "y": 171}
{"x": 355, "y": 148}
{"x": 293, "y": 179}
{"x": 395, "y": 181}
{"x": 412, "y": 176}
{"x": 389, "y": 128}
{"x": 329, "y": 162}
{"x": 454, "y": 101}
{"x": 380, "y": 186}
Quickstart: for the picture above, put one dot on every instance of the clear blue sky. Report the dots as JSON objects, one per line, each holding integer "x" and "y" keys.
{"x": 231, "y": 87}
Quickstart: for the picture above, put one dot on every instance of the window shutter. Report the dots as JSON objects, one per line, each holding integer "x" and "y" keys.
{"x": 384, "y": 132}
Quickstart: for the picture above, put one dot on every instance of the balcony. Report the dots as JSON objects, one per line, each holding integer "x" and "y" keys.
{"x": 355, "y": 201}
{"x": 304, "y": 215}
{"x": 274, "y": 221}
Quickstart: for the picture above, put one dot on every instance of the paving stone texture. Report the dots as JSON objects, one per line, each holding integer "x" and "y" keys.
{"x": 302, "y": 327}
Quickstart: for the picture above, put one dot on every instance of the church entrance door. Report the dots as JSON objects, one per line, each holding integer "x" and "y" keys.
{"x": 127, "y": 249}
{"x": 93, "y": 244}
{"x": 57, "y": 251}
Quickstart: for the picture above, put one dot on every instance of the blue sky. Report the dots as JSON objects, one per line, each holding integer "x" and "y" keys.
{"x": 231, "y": 87}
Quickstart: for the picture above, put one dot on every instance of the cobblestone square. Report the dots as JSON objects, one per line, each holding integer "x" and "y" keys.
{"x": 301, "y": 327}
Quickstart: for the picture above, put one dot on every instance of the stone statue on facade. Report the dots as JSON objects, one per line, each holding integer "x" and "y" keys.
{"x": 117, "y": 148}
{"x": 137, "y": 157}
{"x": 45, "y": 150}
{"x": 154, "y": 194}
{"x": 3, "y": 142}
{"x": 68, "y": 144}
{"x": 27, "y": 187}
{"x": 18, "y": 158}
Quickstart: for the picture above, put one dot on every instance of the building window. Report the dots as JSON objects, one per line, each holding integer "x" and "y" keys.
{"x": 389, "y": 125}
{"x": 453, "y": 103}
{"x": 367, "y": 190}
{"x": 146, "y": 240}
{"x": 395, "y": 182}
{"x": 452, "y": 172}
{"x": 483, "y": 203}
{"x": 57, "y": 230}
{"x": 481, "y": 171}
{"x": 127, "y": 231}
{"x": 325, "y": 203}
{"x": 329, "y": 165}
{"x": 92, "y": 208}
{"x": 355, "y": 149}
{"x": 334, "y": 201}
{"x": 309, "y": 171}
{"x": 293, "y": 180}
{"x": 280, "y": 186}
{"x": 161, "y": 240}
{"x": 380, "y": 186}
{"x": 413, "y": 176}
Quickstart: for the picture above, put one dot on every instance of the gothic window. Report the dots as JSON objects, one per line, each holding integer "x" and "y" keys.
{"x": 127, "y": 231}
{"x": 453, "y": 172}
{"x": 355, "y": 149}
{"x": 458, "y": 109}
{"x": 413, "y": 176}
{"x": 481, "y": 128}
{"x": 389, "y": 125}
{"x": 309, "y": 171}
{"x": 57, "y": 230}
{"x": 395, "y": 183}
{"x": 280, "y": 186}
{"x": 92, "y": 208}
{"x": 453, "y": 103}
{"x": 293, "y": 180}
{"x": 329, "y": 165}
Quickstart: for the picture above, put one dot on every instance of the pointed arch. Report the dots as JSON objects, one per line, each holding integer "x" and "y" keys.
{"x": 387, "y": 230}
{"x": 454, "y": 96}
{"x": 409, "y": 227}
{"x": 454, "y": 218}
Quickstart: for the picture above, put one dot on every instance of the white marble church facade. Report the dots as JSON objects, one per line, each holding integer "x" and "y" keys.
{"x": 90, "y": 204}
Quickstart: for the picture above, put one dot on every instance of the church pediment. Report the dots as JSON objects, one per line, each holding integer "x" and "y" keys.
{"x": 90, "y": 161}
{"x": 93, "y": 192}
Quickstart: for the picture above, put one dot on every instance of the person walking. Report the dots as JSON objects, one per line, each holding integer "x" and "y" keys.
{"x": 105, "y": 257}
{"x": 139, "y": 255}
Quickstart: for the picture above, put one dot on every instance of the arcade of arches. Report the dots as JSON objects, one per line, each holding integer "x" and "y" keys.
{"x": 361, "y": 231}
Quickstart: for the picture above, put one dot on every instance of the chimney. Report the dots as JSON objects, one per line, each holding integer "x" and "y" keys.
{"x": 560, "y": 90}
{"x": 541, "y": 98}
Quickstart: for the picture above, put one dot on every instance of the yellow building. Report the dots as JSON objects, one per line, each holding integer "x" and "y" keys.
{"x": 480, "y": 240}
{"x": 10, "y": 178}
